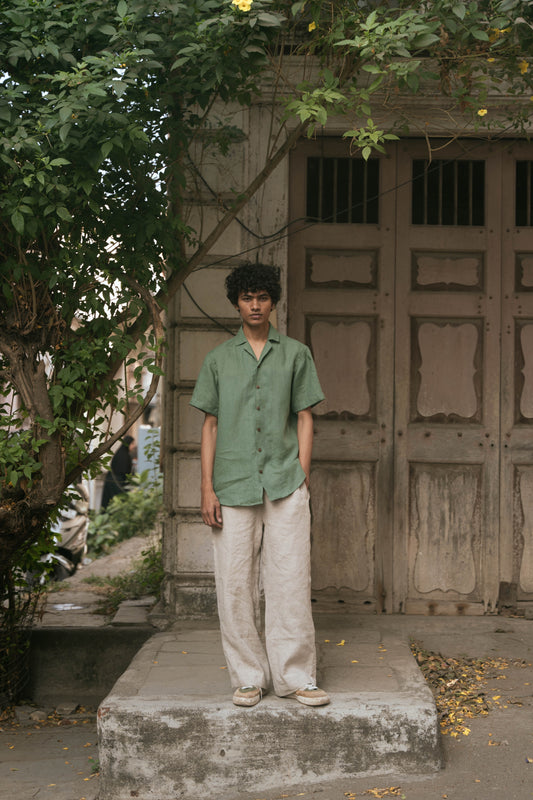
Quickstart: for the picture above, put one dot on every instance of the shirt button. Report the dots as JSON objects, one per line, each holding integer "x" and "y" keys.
{"x": 258, "y": 408}
{"x": 260, "y": 471}
{"x": 257, "y": 387}
{"x": 259, "y": 430}
{"x": 259, "y": 450}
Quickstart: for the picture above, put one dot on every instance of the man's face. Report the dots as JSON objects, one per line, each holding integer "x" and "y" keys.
{"x": 255, "y": 308}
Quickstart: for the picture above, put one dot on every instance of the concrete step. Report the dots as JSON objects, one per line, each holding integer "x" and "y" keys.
{"x": 169, "y": 730}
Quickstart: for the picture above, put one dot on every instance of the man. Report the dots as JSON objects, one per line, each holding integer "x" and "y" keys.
{"x": 257, "y": 391}
{"x": 121, "y": 466}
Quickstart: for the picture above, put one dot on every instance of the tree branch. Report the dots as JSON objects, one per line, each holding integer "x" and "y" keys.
{"x": 177, "y": 278}
{"x": 159, "y": 334}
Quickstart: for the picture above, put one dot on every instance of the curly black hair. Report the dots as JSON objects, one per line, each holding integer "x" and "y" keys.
{"x": 253, "y": 278}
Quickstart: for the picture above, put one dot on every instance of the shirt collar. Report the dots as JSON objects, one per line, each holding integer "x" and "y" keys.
{"x": 240, "y": 338}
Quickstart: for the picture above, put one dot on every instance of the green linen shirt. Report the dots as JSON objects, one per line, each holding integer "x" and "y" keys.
{"x": 256, "y": 403}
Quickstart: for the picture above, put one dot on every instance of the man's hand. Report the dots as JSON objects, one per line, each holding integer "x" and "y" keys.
{"x": 211, "y": 512}
{"x": 305, "y": 441}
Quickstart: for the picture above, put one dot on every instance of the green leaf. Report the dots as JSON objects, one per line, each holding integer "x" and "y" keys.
{"x": 64, "y": 131}
{"x": 62, "y": 213}
{"x": 13, "y": 477}
{"x": 269, "y": 20}
{"x": 425, "y": 40}
{"x": 459, "y": 10}
{"x": 413, "y": 81}
{"x": 322, "y": 116}
{"x": 122, "y": 8}
{"x": 53, "y": 49}
{"x": 119, "y": 88}
{"x": 370, "y": 20}
{"x": 65, "y": 113}
{"x": 17, "y": 220}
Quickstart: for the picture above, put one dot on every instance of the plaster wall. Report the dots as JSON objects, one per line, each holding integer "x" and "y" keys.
{"x": 200, "y": 317}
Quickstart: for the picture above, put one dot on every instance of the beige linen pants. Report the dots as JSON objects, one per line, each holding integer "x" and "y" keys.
{"x": 268, "y": 544}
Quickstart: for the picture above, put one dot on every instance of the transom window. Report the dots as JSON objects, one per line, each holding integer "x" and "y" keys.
{"x": 448, "y": 192}
{"x": 343, "y": 190}
{"x": 524, "y": 194}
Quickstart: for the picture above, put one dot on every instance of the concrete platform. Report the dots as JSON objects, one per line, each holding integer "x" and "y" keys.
{"x": 169, "y": 730}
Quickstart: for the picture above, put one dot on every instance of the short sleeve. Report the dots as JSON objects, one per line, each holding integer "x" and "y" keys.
{"x": 306, "y": 389}
{"x": 205, "y": 394}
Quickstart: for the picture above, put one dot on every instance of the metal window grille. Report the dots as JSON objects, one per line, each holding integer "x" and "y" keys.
{"x": 448, "y": 192}
{"x": 343, "y": 190}
{"x": 524, "y": 194}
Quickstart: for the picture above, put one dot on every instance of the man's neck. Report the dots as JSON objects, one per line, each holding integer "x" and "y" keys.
{"x": 256, "y": 334}
{"x": 257, "y": 337}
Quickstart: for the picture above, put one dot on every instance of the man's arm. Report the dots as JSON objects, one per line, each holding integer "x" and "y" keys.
{"x": 211, "y": 513}
{"x": 305, "y": 441}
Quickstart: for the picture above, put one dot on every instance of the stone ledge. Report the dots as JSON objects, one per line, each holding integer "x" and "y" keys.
{"x": 169, "y": 730}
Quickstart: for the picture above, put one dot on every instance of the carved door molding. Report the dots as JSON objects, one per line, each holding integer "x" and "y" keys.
{"x": 341, "y": 303}
{"x": 516, "y": 508}
{"x": 447, "y": 379}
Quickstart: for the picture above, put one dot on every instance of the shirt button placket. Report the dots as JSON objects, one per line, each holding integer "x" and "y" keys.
{"x": 259, "y": 449}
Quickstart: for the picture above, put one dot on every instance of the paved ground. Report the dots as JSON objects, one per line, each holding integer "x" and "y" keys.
{"x": 494, "y": 761}
{"x": 55, "y": 758}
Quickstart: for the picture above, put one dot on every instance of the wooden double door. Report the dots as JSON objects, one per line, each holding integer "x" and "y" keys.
{"x": 411, "y": 279}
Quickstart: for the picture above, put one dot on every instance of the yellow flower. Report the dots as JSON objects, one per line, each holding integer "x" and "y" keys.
{"x": 497, "y": 32}
{"x": 311, "y": 26}
{"x": 490, "y": 60}
{"x": 242, "y": 5}
{"x": 524, "y": 66}
{"x": 481, "y": 112}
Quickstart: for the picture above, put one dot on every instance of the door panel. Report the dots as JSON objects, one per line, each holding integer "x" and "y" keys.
{"x": 516, "y": 518}
{"x": 446, "y": 393}
{"x": 341, "y": 292}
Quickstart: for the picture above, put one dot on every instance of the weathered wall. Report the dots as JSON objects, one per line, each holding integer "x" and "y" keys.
{"x": 200, "y": 317}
